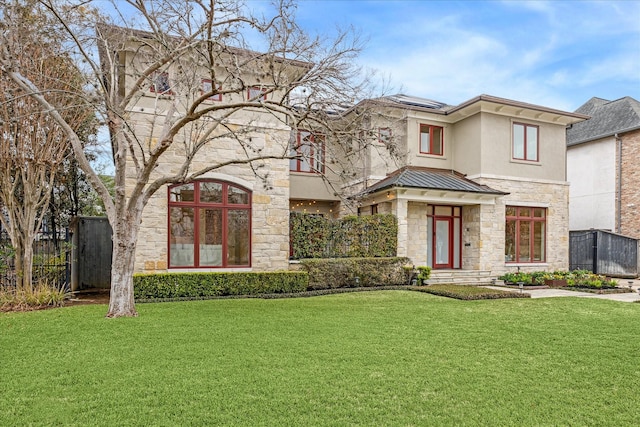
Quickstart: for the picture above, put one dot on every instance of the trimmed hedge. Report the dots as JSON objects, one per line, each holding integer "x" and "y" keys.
{"x": 314, "y": 236}
{"x": 204, "y": 285}
{"x": 331, "y": 273}
{"x": 467, "y": 292}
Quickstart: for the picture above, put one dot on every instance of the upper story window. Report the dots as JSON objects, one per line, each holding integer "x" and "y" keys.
{"x": 207, "y": 87}
{"x": 256, "y": 93}
{"x": 384, "y": 136}
{"x": 525, "y": 234}
{"x": 525, "y": 142}
{"x": 161, "y": 83}
{"x": 209, "y": 225}
{"x": 431, "y": 140}
{"x": 308, "y": 150}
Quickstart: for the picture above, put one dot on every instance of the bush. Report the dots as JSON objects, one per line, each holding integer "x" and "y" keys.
{"x": 518, "y": 277}
{"x": 40, "y": 296}
{"x": 314, "y": 236}
{"x": 207, "y": 285}
{"x": 466, "y": 292}
{"x": 331, "y": 273}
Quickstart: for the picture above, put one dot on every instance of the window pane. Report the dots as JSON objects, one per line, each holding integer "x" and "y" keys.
{"x": 425, "y": 141}
{"x": 532, "y": 143}
{"x": 210, "y": 237}
{"x": 181, "y": 237}
{"x": 305, "y": 153}
{"x": 510, "y": 241}
{"x": 430, "y": 241}
{"x": 210, "y": 192}
{"x": 538, "y": 213}
{"x": 518, "y": 141}
{"x": 293, "y": 162}
{"x": 437, "y": 140}
{"x": 237, "y": 196}
{"x": 255, "y": 93}
{"x": 538, "y": 241}
{"x": 524, "y": 247}
{"x": 525, "y": 212}
{"x": 238, "y": 237}
{"x": 456, "y": 243}
{"x": 510, "y": 211}
{"x": 182, "y": 193}
{"x": 443, "y": 210}
{"x": 318, "y": 156}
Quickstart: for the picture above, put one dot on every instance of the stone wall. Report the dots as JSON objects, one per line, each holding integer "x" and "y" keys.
{"x": 551, "y": 195}
{"x": 630, "y": 196}
{"x": 270, "y": 205}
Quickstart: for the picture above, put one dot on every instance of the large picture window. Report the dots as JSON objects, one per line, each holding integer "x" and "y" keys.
{"x": 525, "y": 142}
{"x": 525, "y": 239}
{"x": 307, "y": 152}
{"x": 431, "y": 140}
{"x": 209, "y": 225}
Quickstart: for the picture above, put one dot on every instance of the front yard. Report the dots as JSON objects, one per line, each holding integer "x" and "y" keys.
{"x": 372, "y": 358}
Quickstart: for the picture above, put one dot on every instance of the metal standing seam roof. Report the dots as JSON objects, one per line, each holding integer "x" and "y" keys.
{"x": 607, "y": 118}
{"x": 431, "y": 179}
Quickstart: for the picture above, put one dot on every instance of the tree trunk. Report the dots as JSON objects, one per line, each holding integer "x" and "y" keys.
{"x": 121, "y": 301}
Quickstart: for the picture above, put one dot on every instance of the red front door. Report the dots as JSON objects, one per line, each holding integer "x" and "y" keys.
{"x": 443, "y": 242}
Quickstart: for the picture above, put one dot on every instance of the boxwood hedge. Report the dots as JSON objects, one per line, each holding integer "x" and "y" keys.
{"x": 331, "y": 273}
{"x": 216, "y": 284}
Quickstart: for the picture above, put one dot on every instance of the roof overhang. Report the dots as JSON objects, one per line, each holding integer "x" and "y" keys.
{"x": 430, "y": 196}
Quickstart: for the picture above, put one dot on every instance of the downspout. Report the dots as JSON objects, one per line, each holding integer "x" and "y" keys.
{"x": 619, "y": 210}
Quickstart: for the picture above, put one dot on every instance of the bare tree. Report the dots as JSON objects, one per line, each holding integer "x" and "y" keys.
{"x": 257, "y": 64}
{"x": 33, "y": 146}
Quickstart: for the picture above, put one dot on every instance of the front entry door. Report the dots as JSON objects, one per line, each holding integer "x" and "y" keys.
{"x": 442, "y": 243}
{"x": 444, "y": 230}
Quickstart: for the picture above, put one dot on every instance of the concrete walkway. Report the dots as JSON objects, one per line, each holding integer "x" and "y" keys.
{"x": 549, "y": 293}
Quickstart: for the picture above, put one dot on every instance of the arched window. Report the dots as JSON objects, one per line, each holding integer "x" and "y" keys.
{"x": 209, "y": 225}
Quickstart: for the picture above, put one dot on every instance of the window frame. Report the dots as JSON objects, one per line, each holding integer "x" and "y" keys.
{"x": 217, "y": 97}
{"x": 431, "y": 139}
{"x": 312, "y": 161}
{"x": 262, "y": 90}
{"x": 525, "y": 155}
{"x": 197, "y": 205}
{"x": 156, "y": 75}
{"x": 385, "y": 135}
{"x": 520, "y": 219}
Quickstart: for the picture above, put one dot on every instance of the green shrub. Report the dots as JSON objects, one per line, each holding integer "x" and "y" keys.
{"x": 518, "y": 277}
{"x": 313, "y": 236}
{"x": 206, "y": 285}
{"x": 466, "y": 292}
{"x": 330, "y": 273}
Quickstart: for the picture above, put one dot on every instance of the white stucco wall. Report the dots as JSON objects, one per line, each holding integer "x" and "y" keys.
{"x": 591, "y": 172}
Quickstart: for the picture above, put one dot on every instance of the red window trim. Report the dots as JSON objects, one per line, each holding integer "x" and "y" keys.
{"x": 431, "y": 209}
{"x": 258, "y": 88}
{"x": 381, "y": 138}
{"x": 531, "y": 220}
{"x": 312, "y": 156}
{"x": 513, "y": 139}
{"x": 431, "y": 145}
{"x": 197, "y": 205}
{"x": 152, "y": 88}
{"x": 216, "y": 97}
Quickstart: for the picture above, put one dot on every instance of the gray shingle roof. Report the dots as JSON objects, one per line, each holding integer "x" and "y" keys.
{"x": 432, "y": 179}
{"x": 607, "y": 119}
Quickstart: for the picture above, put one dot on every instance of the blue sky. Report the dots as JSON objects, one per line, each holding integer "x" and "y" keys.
{"x": 557, "y": 53}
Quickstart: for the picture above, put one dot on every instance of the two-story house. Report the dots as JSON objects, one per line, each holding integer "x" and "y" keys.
{"x": 602, "y": 167}
{"x": 478, "y": 187}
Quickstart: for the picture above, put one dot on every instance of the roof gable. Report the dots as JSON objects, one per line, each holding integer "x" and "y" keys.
{"x": 607, "y": 118}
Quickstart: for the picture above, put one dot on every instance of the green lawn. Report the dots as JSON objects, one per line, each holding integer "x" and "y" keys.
{"x": 371, "y": 358}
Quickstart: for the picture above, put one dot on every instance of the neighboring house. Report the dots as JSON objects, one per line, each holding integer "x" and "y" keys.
{"x": 602, "y": 167}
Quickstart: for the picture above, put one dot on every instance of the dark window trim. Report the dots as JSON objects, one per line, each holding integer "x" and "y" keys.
{"x": 197, "y": 206}
{"x": 431, "y": 144}
{"x": 513, "y": 142}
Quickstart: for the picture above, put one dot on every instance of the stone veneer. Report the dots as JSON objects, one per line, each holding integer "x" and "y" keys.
{"x": 270, "y": 207}
{"x": 491, "y": 237}
{"x": 630, "y": 195}
{"x": 483, "y": 227}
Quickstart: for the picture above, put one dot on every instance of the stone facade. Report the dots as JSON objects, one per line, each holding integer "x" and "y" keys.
{"x": 629, "y": 216}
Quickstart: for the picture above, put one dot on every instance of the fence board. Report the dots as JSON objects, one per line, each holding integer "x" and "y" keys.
{"x": 603, "y": 252}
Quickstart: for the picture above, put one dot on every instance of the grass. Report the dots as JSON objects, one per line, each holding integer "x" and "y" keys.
{"x": 371, "y": 358}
